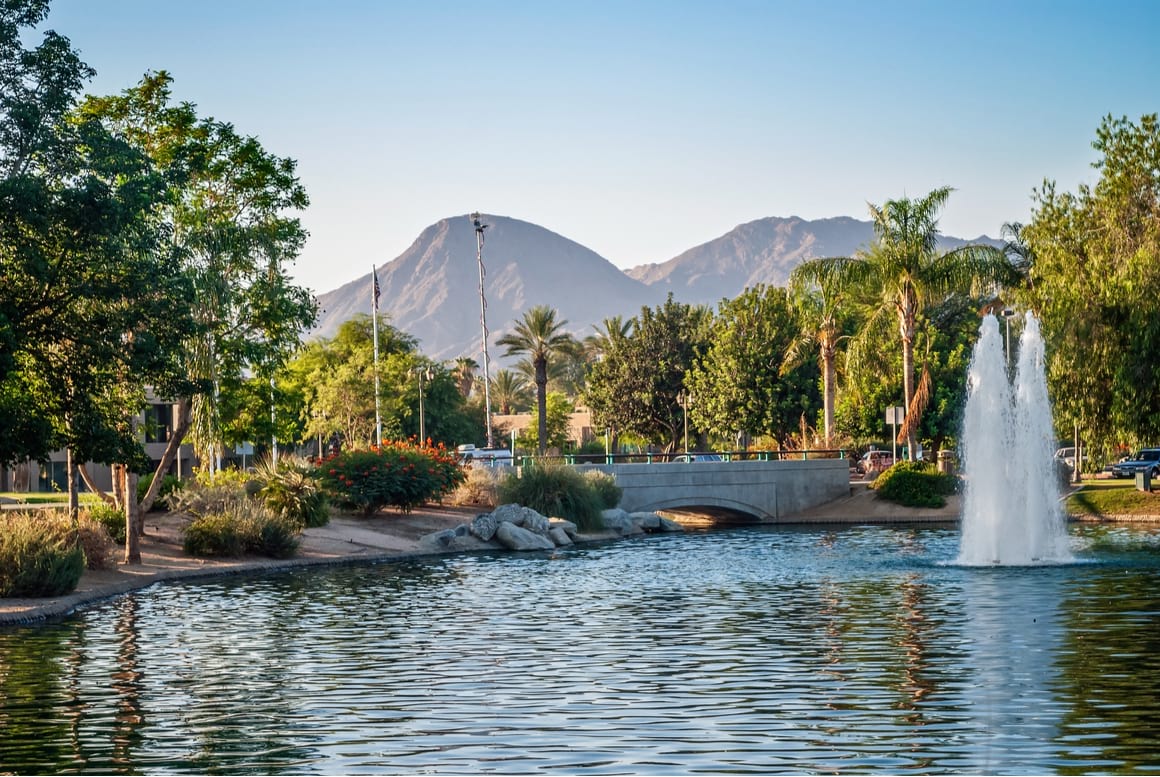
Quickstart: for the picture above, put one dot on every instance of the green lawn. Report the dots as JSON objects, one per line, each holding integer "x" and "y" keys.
{"x": 44, "y": 498}
{"x": 1114, "y": 497}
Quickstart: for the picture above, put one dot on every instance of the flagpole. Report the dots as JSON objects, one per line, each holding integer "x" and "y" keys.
{"x": 375, "y": 329}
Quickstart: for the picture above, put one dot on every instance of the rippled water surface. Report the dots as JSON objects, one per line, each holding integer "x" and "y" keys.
{"x": 750, "y": 650}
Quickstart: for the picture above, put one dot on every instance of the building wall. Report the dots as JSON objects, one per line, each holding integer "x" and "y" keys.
{"x": 580, "y": 428}
{"x": 157, "y": 423}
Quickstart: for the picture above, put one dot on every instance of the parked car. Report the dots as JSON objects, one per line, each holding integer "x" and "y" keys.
{"x": 1145, "y": 460}
{"x": 875, "y": 460}
{"x": 1067, "y": 456}
{"x": 484, "y": 457}
{"x": 691, "y": 457}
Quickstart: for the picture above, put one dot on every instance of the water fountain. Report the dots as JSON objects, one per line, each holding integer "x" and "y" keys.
{"x": 1011, "y": 510}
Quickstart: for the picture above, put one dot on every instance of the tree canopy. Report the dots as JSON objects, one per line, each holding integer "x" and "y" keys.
{"x": 1093, "y": 278}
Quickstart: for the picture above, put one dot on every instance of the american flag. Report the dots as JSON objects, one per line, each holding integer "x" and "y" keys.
{"x": 375, "y": 289}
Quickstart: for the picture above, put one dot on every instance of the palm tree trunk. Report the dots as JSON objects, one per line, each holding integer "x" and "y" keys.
{"x": 908, "y": 386}
{"x": 829, "y": 389}
{"x": 542, "y": 402}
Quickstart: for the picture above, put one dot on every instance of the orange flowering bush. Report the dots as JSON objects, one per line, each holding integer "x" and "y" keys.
{"x": 401, "y": 474}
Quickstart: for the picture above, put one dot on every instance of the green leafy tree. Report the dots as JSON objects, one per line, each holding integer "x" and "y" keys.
{"x": 559, "y": 413}
{"x": 541, "y": 338}
{"x": 230, "y": 213}
{"x": 93, "y": 307}
{"x": 1093, "y": 278}
{"x": 903, "y": 273}
{"x": 335, "y": 378}
{"x": 740, "y": 385}
{"x": 635, "y": 386}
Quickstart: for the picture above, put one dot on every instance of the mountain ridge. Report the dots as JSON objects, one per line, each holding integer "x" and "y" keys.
{"x": 431, "y": 290}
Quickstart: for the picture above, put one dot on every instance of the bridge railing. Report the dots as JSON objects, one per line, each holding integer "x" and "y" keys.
{"x": 659, "y": 458}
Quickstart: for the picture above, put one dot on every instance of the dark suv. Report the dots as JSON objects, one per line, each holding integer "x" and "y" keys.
{"x": 1145, "y": 460}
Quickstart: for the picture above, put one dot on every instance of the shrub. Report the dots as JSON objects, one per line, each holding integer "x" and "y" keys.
{"x": 274, "y": 536}
{"x": 39, "y": 554}
{"x": 241, "y": 527}
{"x": 215, "y": 534}
{"x": 112, "y": 519}
{"x": 200, "y": 499}
{"x": 169, "y": 484}
{"x": 915, "y": 484}
{"x": 397, "y": 475}
{"x": 102, "y": 529}
{"x": 555, "y": 490}
{"x": 292, "y": 491}
{"x": 480, "y": 487}
{"x": 604, "y": 483}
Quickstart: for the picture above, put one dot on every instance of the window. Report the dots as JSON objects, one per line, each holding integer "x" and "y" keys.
{"x": 158, "y": 423}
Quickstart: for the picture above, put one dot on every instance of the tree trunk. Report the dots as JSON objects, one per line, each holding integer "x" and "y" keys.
{"x": 108, "y": 499}
{"x": 908, "y": 385}
{"x": 73, "y": 501}
{"x": 829, "y": 389}
{"x": 542, "y": 402}
{"x": 179, "y": 431}
{"x": 132, "y": 538}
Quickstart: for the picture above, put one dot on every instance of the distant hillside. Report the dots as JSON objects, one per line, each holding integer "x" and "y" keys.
{"x": 432, "y": 289}
{"x": 763, "y": 251}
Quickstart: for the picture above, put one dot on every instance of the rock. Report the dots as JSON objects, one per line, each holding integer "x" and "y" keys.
{"x": 667, "y": 525}
{"x": 518, "y": 515}
{"x": 484, "y": 526}
{"x": 453, "y": 540}
{"x": 620, "y": 522}
{"x": 646, "y": 521}
{"x": 559, "y": 536}
{"x": 515, "y": 537}
{"x": 567, "y": 526}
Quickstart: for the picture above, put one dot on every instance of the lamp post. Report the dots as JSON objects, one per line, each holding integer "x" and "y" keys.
{"x": 1007, "y": 313}
{"x": 479, "y": 227}
{"x": 423, "y": 372}
{"x": 683, "y": 400}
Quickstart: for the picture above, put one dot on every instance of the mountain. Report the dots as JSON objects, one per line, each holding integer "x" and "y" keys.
{"x": 763, "y": 251}
{"x": 431, "y": 290}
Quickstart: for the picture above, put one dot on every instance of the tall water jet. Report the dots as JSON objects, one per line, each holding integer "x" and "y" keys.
{"x": 1011, "y": 510}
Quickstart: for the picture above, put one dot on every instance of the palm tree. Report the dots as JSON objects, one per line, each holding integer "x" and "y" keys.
{"x": 464, "y": 374}
{"x": 615, "y": 328}
{"x": 508, "y": 391}
{"x": 539, "y": 337}
{"x": 903, "y": 272}
{"x": 817, "y": 300}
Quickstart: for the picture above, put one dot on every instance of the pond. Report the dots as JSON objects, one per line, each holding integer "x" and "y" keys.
{"x": 758, "y": 650}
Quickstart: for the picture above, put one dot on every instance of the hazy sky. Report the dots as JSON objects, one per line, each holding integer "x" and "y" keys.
{"x": 639, "y": 129}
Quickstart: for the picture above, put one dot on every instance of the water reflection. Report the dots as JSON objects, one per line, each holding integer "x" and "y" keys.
{"x": 749, "y": 650}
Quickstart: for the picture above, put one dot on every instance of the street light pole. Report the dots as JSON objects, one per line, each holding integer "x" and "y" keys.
{"x": 1007, "y": 313}
{"x": 479, "y": 227}
{"x": 422, "y": 371}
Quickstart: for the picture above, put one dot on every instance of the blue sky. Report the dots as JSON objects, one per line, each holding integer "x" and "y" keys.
{"x": 639, "y": 129}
